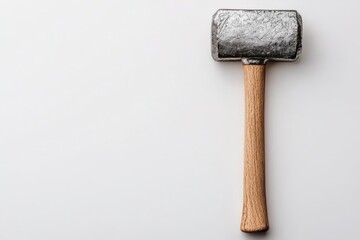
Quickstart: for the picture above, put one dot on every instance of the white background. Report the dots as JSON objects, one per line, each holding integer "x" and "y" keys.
{"x": 116, "y": 123}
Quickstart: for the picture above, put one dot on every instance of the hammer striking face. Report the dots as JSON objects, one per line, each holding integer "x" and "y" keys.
{"x": 256, "y": 36}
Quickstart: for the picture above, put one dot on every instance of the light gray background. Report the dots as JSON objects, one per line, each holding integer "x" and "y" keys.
{"x": 115, "y": 123}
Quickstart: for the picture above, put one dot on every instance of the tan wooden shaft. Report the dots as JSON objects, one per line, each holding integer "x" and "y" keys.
{"x": 254, "y": 216}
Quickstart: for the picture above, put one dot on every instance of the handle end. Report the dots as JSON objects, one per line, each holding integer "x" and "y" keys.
{"x": 247, "y": 227}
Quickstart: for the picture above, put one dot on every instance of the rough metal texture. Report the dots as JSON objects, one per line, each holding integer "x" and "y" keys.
{"x": 256, "y": 36}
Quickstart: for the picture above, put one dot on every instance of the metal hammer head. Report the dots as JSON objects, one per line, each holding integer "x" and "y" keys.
{"x": 256, "y": 36}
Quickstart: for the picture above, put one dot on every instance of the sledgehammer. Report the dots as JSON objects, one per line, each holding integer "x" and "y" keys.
{"x": 255, "y": 37}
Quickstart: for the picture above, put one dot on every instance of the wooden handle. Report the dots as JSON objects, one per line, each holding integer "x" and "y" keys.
{"x": 254, "y": 216}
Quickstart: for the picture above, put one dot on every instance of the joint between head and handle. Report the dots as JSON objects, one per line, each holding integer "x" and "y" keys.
{"x": 254, "y": 61}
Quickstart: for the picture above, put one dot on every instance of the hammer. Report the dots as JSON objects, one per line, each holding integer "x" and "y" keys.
{"x": 255, "y": 37}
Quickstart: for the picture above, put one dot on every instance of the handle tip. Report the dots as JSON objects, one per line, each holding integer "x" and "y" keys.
{"x": 254, "y": 229}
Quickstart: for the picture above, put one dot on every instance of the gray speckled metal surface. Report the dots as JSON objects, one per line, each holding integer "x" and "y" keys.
{"x": 256, "y": 36}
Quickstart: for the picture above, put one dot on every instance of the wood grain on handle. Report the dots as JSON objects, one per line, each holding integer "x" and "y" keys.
{"x": 254, "y": 216}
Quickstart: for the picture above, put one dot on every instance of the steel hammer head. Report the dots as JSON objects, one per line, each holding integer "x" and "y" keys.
{"x": 256, "y": 36}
